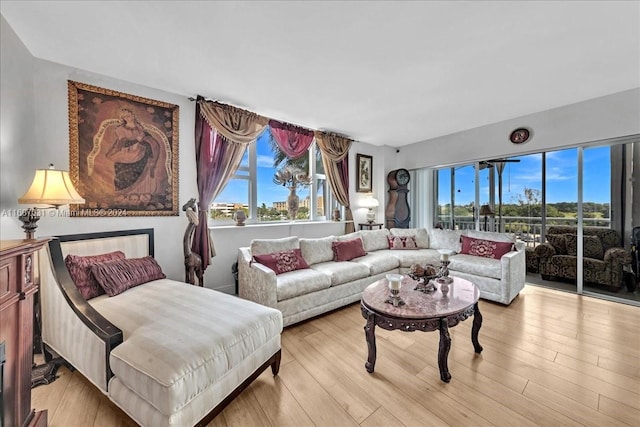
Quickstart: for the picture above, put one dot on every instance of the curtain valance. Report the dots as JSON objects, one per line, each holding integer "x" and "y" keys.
{"x": 294, "y": 141}
{"x": 236, "y": 125}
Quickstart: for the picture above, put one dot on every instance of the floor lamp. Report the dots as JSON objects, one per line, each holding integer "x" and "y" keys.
{"x": 486, "y": 211}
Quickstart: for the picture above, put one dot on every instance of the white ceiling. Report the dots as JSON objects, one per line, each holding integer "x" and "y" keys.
{"x": 381, "y": 72}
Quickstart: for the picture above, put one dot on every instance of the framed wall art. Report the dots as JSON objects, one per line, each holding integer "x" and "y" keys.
{"x": 364, "y": 173}
{"x": 123, "y": 152}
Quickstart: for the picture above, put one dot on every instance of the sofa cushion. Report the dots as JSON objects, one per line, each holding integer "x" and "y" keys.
{"x": 592, "y": 246}
{"x": 420, "y": 234}
{"x": 80, "y": 271}
{"x": 478, "y": 266}
{"x": 342, "y": 271}
{"x": 350, "y": 236}
{"x": 374, "y": 240}
{"x": 317, "y": 250}
{"x": 485, "y": 248}
{"x": 416, "y": 256}
{"x": 168, "y": 365}
{"x": 445, "y": 239}
{"x": 559, "y": 243}
{"x": 269, "y": 246}
{"x": 300, "y": 282}
{"x": 347, "y": 250}
{"x": 490, "y": 235}
{"x": 379, "y": 262}
{"x": 402, "y": 242}
{"x": 118, "y": 275}
{"x": 283, "y": 261}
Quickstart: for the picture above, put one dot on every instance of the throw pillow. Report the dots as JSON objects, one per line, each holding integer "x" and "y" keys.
{"x": 559, "y": 242}
{"x": 283, "y": 261}
{"x": 402, "y": 242}
{"x": 117, "y": 276}
{"x": 485, "y": 248}
{"x": 346, "y": 250}
{"x": 80, "y": 270}
{"x": 445, "y": 239}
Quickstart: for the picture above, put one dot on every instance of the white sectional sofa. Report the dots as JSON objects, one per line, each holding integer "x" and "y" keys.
{"x": 329, "y": 284}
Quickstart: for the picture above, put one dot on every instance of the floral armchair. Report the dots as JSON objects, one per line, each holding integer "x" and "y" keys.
{"x": 604, "y": 256}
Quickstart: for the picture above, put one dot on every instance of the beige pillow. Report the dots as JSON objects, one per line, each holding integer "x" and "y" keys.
{"x": 270, "y": 246}
{"x": 445, "y": 239}
{"x": 375, "y": 240}
{"x": 315, "y": 251}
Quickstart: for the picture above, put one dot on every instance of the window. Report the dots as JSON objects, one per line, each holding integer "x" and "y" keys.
{"x": 253, "y": 189}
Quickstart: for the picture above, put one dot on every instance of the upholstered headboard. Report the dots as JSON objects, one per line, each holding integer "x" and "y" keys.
{"x": 70, "y": 326}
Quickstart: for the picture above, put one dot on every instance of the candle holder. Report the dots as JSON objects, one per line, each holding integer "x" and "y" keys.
{"x": 394, "y": 299}
{"x": 395, "y": 283}
{"x": 444, "y": 272}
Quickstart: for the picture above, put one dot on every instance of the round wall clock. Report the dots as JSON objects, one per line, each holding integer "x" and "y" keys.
{"x": 520, "y": 136}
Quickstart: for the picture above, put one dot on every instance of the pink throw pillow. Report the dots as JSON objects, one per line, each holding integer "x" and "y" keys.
{"x": 402, "y": 242}
{"x": 80, "y": 270}
{"x": 346, "y": 250}
{"x": 117, "y": 276}
{"x": 283, "y": 261}
{"x": 485, "y": 248}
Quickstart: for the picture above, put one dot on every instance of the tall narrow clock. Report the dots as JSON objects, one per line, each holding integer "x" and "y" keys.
{"x": 398, "y": 213}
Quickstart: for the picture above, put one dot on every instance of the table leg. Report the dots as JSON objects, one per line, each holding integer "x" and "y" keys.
{"x": 477, "y": 323}
{"x": 443, "y": 351}
{"x": 370, "y": 334}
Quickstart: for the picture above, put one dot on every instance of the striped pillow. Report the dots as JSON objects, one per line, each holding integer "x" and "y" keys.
{"x": 80, "y": 271}
{"x": 115, "y": 277}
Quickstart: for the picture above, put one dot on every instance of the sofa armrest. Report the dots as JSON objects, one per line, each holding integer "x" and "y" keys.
{"x": 513, "y": 274}
{"x": 617, "y": 256}
{"x": 545, "y": 251}
{"x": 255, "y": 281}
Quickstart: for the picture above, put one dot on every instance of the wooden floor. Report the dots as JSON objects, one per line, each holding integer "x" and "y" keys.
{"x": 550, "y": 358}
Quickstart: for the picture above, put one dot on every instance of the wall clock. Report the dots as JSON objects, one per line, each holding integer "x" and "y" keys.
{"x": 520, "y": 136}
{"x": 398, "y": 213}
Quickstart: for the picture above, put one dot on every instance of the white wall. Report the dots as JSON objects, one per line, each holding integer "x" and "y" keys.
{"x": 593, "y": 120}
{"x": 35, "y": 132}
{"x": 17, "y": 132}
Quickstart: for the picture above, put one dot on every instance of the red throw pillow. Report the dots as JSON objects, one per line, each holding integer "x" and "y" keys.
{"x": 485, "y": 248}
{"x": 283, "y": 261}
{"x": 80, "y": 270}
{"x": 402, "y": 242}
{"x": 117, "y": 276}
{"x": 346, "y": 250}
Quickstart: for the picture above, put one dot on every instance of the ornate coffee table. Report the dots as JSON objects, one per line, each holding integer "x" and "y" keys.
{"x": 421, "y": 312}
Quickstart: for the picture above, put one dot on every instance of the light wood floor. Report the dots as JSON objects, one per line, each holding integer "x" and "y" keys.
{"x": 550, "y": 358}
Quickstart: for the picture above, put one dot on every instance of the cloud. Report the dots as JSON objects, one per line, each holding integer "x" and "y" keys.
{"x": 264, "y": 161}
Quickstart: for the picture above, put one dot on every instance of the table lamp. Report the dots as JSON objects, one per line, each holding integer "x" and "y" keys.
{"x": 370, "y": 203}
{"x": 50, "y": 188}
{"x": 486, "y": 211}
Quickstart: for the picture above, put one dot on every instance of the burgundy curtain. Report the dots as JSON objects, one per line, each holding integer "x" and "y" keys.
{"x": 294, "y": 141}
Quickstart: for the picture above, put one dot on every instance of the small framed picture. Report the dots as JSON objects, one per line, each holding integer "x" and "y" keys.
{"x": 364, "y": 174}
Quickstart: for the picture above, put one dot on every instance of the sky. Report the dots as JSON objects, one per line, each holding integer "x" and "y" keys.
{"x": 268, "y": 192}
{"x": 562, "y": 178}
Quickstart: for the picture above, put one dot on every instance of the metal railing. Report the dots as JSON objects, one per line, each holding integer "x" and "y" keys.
{"x": 527, "y": 229}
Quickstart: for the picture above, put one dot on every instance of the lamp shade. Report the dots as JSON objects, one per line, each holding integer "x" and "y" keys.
{"x": 51, "y": 187}
{"x": 486, "y": 210}
{"x": 370, "y": 202}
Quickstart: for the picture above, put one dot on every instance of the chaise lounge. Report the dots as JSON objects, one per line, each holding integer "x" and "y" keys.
{"x": 166, "y": 352}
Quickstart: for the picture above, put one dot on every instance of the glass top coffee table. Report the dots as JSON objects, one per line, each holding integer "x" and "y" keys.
{"x": 421, "y": 311}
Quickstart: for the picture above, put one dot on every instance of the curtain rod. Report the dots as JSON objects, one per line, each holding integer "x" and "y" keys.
{"x": 192, "y": 99}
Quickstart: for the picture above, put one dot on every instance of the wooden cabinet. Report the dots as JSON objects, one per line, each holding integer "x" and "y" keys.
{"x": 17, "y": 288}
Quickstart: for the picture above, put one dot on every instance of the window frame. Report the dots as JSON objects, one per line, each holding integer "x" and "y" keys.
{"x": 250, "y": 174}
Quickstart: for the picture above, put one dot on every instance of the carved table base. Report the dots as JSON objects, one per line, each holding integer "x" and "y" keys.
{"x": 427, "y": 323}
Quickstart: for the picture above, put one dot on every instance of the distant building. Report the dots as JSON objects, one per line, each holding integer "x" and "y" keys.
{"x": 227, "y": 209}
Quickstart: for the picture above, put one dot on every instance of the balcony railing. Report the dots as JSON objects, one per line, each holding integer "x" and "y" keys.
{"x": 527, "y": 229}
